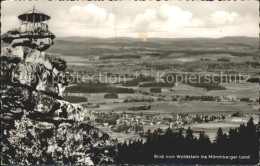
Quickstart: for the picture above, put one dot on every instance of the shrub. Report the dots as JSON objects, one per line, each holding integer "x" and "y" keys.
{"x": 111, "y": 96}
{"x": 156, "y": 90}
{"x": 75, "y": 99}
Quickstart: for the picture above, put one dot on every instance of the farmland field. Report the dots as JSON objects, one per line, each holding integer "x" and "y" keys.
{"x": 187, "y": 107}
{"x": 135, "y": 66}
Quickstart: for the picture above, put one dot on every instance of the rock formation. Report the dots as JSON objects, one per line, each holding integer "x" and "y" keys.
{"x": 38, "y": 127}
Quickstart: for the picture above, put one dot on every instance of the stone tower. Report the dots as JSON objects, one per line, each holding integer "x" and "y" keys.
{"x": 33, "y": 31}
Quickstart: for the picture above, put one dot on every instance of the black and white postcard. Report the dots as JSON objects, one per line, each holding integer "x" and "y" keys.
{"x": 129, "y": 82}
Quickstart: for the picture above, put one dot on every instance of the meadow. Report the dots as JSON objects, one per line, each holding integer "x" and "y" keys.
{"x": 195, "y": 56}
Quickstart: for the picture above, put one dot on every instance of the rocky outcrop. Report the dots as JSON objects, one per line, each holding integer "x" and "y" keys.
{"x": 38, "y": 39}
{"x": 38, "y": 127}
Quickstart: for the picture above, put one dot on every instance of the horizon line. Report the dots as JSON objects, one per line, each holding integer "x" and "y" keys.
{"x": 156, "y": 37}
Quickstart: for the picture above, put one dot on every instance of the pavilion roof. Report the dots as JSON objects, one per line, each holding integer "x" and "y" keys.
{"x": 34, "y": 15}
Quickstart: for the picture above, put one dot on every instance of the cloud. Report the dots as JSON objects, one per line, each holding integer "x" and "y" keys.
{"x": 172, "y": 21}
{"x": 174, "y": 15}
{"x": 196, "y": 22}
{"x": 146, "y": 20}
{"x": 88, "y": 20}
{"x": 164, "y": 18}
{"x": 8, "y": 23}
{"x": 224, "y": 18}
{"x": 86, "y": 16}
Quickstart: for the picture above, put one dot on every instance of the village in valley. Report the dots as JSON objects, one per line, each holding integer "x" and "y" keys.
{"x": 132, "y": 88}
{"x": 76, "y": 100}
{"x": 129, "y": 126}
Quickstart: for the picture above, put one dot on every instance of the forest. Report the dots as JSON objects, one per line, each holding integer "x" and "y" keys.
{"x": 243, "y": 141}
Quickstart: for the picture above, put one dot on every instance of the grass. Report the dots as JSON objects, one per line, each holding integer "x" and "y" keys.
{"x": 120, "y": 57}
{"x": 184, "y": 107}
{"x": 131, "y": 83}
{"x": 75, "y": 99}
{"x": 136, "y": 81}
{"x": 155, "y": 84}
{"x": 97, "y": 88}
{"x": 209, "y": 82}
{"x": 208, "y": 86}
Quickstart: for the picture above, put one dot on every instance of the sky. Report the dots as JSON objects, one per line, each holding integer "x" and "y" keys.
{"x": 163, "y": 19}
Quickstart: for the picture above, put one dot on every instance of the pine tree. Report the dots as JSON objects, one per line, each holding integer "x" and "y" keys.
{"x": 250, "y": 125}
{"x": 189, "y": 135}
{"x": 203, "y": 138}
{"x": 220, "y": 137}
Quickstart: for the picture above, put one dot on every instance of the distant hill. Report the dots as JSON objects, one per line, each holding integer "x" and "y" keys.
{"x": 238, "y": 39}
{"x": 95, "y": 39}
{"x": 89, "y": 46}
{"x": 228, "y": 39}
